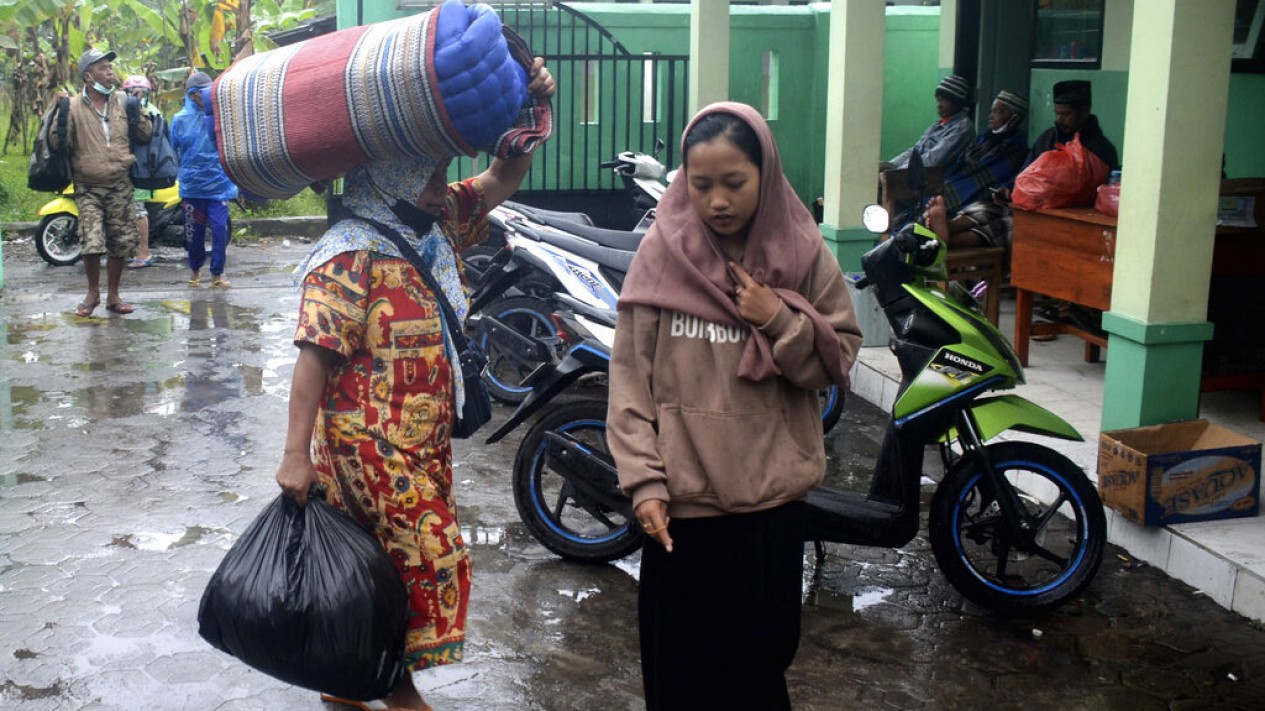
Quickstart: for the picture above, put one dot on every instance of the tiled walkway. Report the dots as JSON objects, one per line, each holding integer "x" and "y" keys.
{"x": 1223, "y": 559}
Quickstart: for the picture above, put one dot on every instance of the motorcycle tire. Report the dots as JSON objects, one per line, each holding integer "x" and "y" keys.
{"x": 976, "y": 553}
{"x": 555, "y": 514}
{"x": 531, "y": 317}
{"x": 57, "y": 239}
{"x": 475, "y": 261}
{"x": 832, "y": 400}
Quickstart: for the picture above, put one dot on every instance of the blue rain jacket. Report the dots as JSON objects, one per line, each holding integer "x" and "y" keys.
{"x": 201, "y": 175}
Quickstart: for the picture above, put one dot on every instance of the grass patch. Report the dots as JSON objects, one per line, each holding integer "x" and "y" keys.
{"x": 18, "y": 204}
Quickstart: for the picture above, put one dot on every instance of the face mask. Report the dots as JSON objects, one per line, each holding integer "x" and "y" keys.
{"x": 103, "y": 89}
{"x": 413, "y": 216}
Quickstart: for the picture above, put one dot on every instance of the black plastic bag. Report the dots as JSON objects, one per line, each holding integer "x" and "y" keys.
{"x": 308, "y": 596}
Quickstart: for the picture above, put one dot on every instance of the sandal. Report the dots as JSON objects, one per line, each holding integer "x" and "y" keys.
{"x": 221, "y": 282}
{"x": 362, "y": 705}
{"x": 139, "y": 263}
{"x": 195, "y": 282}
{"x": 120, "y": 308}
{"x": 85, "y": 309}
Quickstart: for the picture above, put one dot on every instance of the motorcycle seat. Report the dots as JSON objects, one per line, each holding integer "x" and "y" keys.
{"x": 609, "y": 257}
{"x": 615, "y": 239}
{"x": 553, "y": 218}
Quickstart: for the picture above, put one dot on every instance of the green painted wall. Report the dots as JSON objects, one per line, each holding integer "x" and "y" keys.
{"x": 800, "y": 36}
{"x": 1244, "y": 138}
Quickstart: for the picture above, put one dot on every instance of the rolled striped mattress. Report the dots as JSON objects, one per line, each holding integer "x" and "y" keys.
{"x": 445, "y": 82}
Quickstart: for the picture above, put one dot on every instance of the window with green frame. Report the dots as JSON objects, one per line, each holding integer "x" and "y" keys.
{"x": 1068, "y": 34}
{"x": 1249, "y": 36}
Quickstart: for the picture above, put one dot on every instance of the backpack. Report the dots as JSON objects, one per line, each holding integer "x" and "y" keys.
{"x": 156, "y": 164}
{"x": 49, "y": 170}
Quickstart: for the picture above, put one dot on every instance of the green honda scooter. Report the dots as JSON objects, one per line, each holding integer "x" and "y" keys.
{"x": 1015, "y": 526}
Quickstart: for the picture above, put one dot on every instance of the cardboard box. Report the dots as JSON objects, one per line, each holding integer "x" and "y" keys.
{"x": 1179, "y": 473}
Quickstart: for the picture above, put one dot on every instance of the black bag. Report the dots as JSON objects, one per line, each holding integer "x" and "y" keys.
{"x": 477, "y": 409}
{"x": 308, "y": 596}
{"x": 49, "y": 169}
{"x": 156, "y": 165}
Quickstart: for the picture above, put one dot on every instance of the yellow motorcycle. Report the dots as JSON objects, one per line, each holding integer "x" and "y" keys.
{"x": 57, "y": 238}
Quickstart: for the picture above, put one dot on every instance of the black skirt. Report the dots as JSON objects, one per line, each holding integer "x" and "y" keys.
{"x": 720, "y": 615}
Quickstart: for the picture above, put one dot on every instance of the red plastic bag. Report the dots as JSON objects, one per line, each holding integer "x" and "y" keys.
{"x": 1066, "y": 176}
{"x": 1108, "y": 200}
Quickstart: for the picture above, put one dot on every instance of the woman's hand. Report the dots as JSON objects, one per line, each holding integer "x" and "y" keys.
{"x": 541, "y": 81}
{"x": 757, "y": 303}
{"x": 296, "y": 475}
{"x": 652, "y": 514}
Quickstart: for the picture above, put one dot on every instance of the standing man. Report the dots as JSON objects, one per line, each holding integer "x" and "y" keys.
{"x": 100, "y": 159}
{"x": 205, "y": 188}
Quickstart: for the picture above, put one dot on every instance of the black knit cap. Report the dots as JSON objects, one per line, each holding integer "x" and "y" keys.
{"x": 955, "y": 89}
{"x": 1076, "y": 92}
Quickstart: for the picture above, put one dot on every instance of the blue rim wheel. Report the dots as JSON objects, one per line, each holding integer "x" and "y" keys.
{"x": 996, "y": 569}
{"x": 557, "y": 515}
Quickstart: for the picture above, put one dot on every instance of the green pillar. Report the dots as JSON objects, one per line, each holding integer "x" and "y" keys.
{"x": 1179, "y": 79}
{"x": 709, "y": 53}
{"x": 854, "y": 116}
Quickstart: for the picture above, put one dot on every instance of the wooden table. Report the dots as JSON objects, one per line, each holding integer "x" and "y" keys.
{"x": 1066, "y": 254}
{"x": 1069, "y": 254}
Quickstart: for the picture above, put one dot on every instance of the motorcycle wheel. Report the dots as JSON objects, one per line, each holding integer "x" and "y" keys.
{"x": 57, "y": 239}
{"x": 985, "y": 562}
{"x": 476, "y": 260}
{"x": 832, "y": 399}
{"x": 558, "y": 516}
{"x": 529, "y": 316}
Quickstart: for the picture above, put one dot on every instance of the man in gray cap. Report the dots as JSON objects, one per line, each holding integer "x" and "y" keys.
{"x": 100, "y": 161}
{"x": 944, "y": 140}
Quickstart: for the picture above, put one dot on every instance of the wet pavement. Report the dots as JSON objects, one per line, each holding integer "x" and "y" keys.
{"x": 133, "y": 450}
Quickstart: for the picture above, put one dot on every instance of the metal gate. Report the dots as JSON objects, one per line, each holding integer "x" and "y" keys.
{"x": 608, "y": 100}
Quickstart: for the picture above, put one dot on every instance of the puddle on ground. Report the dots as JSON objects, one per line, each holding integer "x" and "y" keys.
{"x": 856, "y": 602}
{"x": 19, "y": 478}
{"x": 580, "y": 595}
{"x": 153, "y": 541}
{"x": 29, "y": 693}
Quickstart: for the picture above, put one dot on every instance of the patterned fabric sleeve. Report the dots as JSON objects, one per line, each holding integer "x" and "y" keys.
{"x": 465, "y": 218}
{"x": 335, "y": 302}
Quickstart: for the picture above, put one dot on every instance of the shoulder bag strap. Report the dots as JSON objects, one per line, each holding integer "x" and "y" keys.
{"x": 450, "y": 316}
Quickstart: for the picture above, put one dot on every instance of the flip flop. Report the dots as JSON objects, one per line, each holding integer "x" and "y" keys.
{"x": 85, "y": 309}
{"x": 362, "y": 705}
{"x": 120, "y": 308}
{"x": 140, "y": 263}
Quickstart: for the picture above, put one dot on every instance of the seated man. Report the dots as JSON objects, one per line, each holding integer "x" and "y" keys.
{"x": 991, "y": 163}
{"x": 944, "y": 140}
{"x": 1073, "y": 114}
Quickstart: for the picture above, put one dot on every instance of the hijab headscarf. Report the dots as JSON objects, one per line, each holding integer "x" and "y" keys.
{"x": 680, "y": 265}
{"x": 370, "y": 191}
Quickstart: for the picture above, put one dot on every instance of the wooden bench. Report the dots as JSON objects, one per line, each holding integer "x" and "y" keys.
{"x": 963, "y": 265}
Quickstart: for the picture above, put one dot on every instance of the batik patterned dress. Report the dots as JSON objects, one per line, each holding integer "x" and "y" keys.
{"x": 383, "y": 440}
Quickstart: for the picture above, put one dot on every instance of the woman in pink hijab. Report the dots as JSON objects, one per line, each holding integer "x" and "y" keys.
{"x": 733, "y": 315}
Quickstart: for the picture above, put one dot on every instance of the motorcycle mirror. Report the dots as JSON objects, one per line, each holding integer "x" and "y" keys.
{"x": 875, "y": 219}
